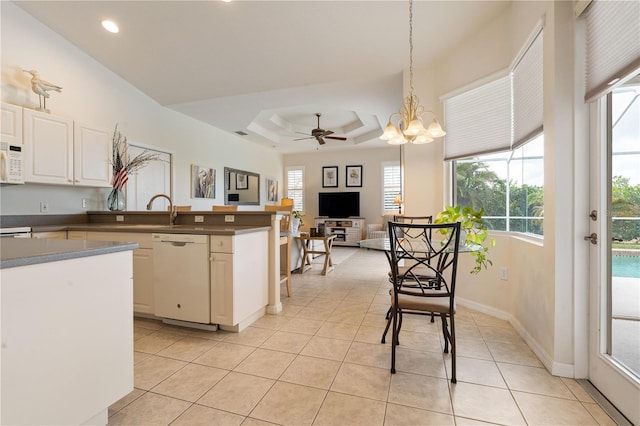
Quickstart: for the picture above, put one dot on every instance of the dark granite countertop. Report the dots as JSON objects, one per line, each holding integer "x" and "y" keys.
{"x": 16, "y": 252}
{"x": 154, "y": 228}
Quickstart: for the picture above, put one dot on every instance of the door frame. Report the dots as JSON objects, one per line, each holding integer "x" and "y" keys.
{"x": 605, "y": 373}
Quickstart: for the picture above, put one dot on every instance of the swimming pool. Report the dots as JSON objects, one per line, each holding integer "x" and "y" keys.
{"x": 625, "y": 265}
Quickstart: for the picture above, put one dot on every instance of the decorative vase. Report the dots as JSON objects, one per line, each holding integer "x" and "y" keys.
{"x": 115, "y": 200}
{"x": 295, "y": 224}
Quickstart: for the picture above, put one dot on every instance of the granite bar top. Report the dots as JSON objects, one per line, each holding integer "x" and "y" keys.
{"x": 154, "y": 228}
{"x": 16, "y": 252}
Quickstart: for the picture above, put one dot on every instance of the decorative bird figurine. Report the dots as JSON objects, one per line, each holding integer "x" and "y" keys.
{"x": 41, "y": 88}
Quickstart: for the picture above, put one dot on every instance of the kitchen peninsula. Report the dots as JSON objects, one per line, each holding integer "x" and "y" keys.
{"x": 238, "y": 274}
{"x": 67, "y": 329}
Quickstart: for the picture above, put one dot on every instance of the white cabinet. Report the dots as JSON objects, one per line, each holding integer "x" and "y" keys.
{"x": 57, "y": 235}
{"x": 348, "y": 231}
{"x": 91, "y": 156}
{"x": 239, "y": 279}
{"x": 11, "y": 124}
{"x": 59, "y": 152}
{"x": 142, "y": 263}
{"x": 76, "y": 235}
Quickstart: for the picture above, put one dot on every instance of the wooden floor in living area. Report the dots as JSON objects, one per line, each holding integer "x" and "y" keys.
{"x": 320, "y": 362}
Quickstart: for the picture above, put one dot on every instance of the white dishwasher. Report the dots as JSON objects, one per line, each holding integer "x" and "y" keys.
{"x": 181, "y": 277}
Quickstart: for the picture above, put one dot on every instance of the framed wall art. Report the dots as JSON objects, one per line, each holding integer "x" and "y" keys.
{"x": 242, "y": 181}
{"x": 330, "y": 177}
{"x": 354, "y": 176}
{"x": 203, "y": 182}
{"x": 272, "y": 189}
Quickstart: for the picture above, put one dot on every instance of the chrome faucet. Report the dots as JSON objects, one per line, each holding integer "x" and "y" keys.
{"x": 173, "y": 212}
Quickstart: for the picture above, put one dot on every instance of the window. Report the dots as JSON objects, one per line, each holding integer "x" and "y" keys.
{"x": 295, "y": 186}
{"x": 390, "y": 185}
{"x": 502, "y": 174}
{"x": 508, "y": 185}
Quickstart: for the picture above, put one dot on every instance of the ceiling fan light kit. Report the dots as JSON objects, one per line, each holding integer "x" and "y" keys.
{"x": 410, "y": 127}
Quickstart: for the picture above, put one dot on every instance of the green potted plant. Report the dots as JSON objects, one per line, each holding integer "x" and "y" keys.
{"x": 473, "y": 231}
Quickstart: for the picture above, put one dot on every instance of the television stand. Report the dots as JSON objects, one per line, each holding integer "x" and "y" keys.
{"x": 348, "y": 231}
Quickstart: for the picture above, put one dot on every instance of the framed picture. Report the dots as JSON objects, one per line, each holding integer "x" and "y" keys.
{"x": 330, "y": 177}
{"x": 272, "y": 189}
{"x": 203, "y": 182}
{"x": 242, "y": 181}
{"x": 354, "y": 176}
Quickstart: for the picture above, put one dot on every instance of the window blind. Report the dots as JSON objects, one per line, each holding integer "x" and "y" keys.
{"x": 391, "y": 186}
{"x": 479, "y": 121}
{"x": 295, "y": 187}
{"x": 613, "y": 44}
{"x": 527, "y": 94}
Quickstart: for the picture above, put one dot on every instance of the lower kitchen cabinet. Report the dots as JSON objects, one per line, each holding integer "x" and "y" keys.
{"x": 57, "y": 235}
{"x": 239, "y": 279}
{"x": 142, "y": 264}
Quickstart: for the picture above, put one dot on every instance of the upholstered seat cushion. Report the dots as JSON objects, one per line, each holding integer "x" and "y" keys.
{"x": 421, "y": 303}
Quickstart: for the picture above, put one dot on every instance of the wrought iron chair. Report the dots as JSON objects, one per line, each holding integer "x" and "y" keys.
{"x": 417, "y": 292}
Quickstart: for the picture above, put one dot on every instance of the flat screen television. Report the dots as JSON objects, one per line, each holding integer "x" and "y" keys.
{"x": 339, "y": 204}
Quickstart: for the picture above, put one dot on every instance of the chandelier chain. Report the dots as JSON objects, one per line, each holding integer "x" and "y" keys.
{"x": 410, "y": 47}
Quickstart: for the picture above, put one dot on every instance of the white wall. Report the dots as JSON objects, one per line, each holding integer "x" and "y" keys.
{"x": 95, "y": 95}
{"x": 371, "y": 191}
{"x": 538, "y": 296}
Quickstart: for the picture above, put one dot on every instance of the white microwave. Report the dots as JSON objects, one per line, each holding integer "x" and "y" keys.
{"x": 11, "y": 163}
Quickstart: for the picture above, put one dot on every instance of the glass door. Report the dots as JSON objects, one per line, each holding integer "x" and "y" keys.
{"x": 614, "y": 329}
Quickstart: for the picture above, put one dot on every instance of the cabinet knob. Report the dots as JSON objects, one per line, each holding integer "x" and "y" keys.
{"x": 179, "y": 306}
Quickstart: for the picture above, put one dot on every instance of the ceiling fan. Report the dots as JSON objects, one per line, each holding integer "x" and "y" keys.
{"x": 321, "y": 134}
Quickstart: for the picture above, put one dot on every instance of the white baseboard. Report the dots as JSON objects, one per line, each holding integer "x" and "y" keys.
{"x": 555, "y": 368}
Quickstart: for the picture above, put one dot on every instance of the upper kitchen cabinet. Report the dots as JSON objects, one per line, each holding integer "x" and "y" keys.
{"x": 91, "y": 156}
{"x": 11, "y": 124}
{"x": 59, "y": 152}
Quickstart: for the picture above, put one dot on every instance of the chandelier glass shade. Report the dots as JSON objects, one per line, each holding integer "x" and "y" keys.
{"x": 409, "y": 126}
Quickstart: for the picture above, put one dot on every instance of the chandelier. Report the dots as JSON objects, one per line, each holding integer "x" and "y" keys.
{"x": 410, "y": 127}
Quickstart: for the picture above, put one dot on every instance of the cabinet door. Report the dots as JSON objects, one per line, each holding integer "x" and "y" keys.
{"x": 222, "y": 288}
{"x": 11, "y": 124}
{"x": 91, "y": 156}
{"x": 76, "y": 235}
{"x": 48, "y": 148}
{"x": 143, "y": 281}
{"x": 56, "y": 235}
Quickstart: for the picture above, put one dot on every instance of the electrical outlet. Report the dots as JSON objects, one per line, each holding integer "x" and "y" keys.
{"x": 85, "y": 203}
{"x": 44, "y": 207}
{"x": 229, "y": 218}
{"x": 504, "y": 275}
{"x": 198, "y": 219}
{"x": 119, "y": 218}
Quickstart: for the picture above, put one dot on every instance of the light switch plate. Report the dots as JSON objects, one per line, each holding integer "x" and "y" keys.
{"x": 229, "y": 218}
{"x": 198, "y": 219}
{"x": 119, "y": 218}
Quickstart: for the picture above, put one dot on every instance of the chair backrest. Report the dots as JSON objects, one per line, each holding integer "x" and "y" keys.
{"x": 412, "y": 219}
{"x": 285, "y": 222}
{"x": 224, "y": 208}
{"x": 420, "y": 263}
{"x": 181, "y": 208}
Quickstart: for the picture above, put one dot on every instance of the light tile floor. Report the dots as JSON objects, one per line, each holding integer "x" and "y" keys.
{"x": 320, "y": 362}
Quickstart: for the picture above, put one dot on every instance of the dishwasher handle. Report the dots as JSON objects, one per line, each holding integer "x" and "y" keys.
{"x": 176, "y": 243}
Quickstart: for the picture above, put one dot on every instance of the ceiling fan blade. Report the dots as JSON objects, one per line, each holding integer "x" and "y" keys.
{"x": 300, "y": 133}
{"x": 338, "y": 138}
{"x": 327, "y": 132}
{"x": 301, "y": 139}
{"x": 320, "y": 140}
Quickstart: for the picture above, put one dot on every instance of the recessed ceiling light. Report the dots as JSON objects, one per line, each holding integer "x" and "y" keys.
{"x": 110, "y": 26}
{"x": 227, "y": 1}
